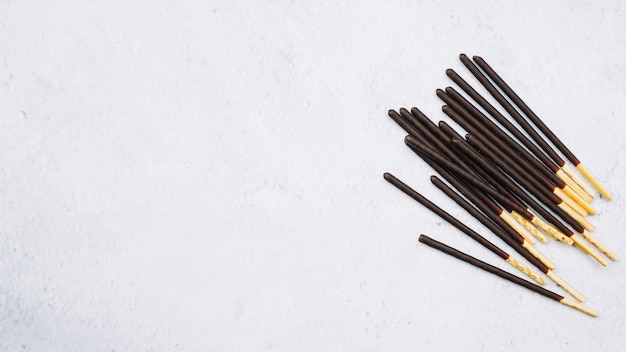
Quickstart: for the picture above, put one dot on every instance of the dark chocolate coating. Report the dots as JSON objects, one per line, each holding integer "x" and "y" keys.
{"x": 441, "y": 140}
{"x": 508, "y": 125}
{"x": 488, "y": 267}
{"x": 434, "y": 136}
{"x": 547, "y": 215}
{"x": 511, "y": 110}
{"x": 519, "y": 174}
{"x": 508, "y": 183}
{"x": 490, "y": 220}
{"x": 504, "y": 231}
{"x": 529, "y": 113}
{"x": 479, "y": 144}
{"x": 520, "y": 193}
{"x": 458, "y": 117}
{"x": 406, "y": 126}
{"x": 451, "y": 133}
{"x": 512, "y": 234}
{"x": 444, "y": 215}
{"x": 496, "y": 135}
{"x": 482, "y": 185}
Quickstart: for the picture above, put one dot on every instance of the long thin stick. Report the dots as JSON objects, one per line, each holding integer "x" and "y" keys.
{"x": 433, "y": 135}
{"x": 512, "y": 168}
{"x": 490, "y": 209}
{"x": 409, "y": 128}
{"x": 516, "y": 116}
{"x": 469, "y": 208}
{"x": 505, "y": 275}
{"x": 480, "y": 184}
{"x": 540, "y": 125}
{"x": 456, "y": 78}
{"x": 464, "y": 228}
{"x": 506, "y": 143}
{"x": 458, "y": 117}
{"x": 503, "y": 229}
{"x": 570, "y": 217}
{"x": 535, "y": 221}
{"x": 439, "y": 140}
{"x": 517, "y": 151}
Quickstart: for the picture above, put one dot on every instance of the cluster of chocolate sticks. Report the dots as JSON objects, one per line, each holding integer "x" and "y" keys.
{"x": 521, "y": 189}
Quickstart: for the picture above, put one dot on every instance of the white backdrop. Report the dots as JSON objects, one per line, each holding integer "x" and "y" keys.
{"x": 202, "y": 176}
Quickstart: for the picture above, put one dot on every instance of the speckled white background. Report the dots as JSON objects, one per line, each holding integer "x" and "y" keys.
{"x": 193, "y": 176}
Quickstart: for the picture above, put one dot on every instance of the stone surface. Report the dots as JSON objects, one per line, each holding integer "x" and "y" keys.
{"x": 208, "y": 176}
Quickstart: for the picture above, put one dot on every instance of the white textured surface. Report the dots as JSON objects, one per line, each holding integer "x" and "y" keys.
{"x": 208, "y": 176}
